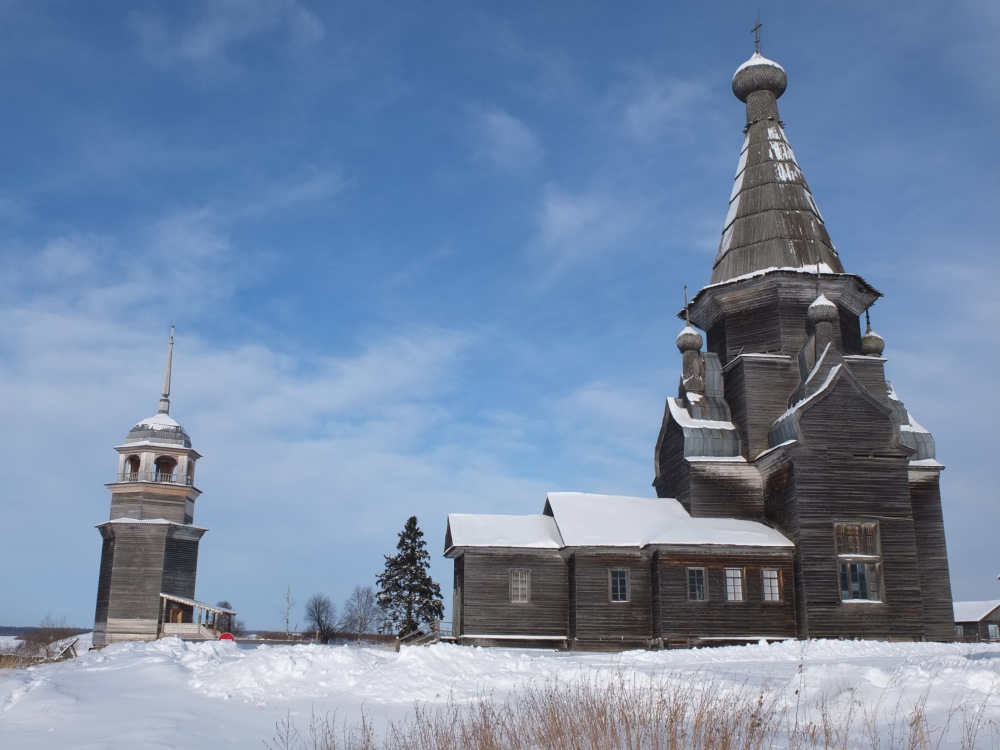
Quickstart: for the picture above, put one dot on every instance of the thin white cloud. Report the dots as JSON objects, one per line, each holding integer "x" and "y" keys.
{"x": 650, "y": 107}
{"x": 580, "y": 228}
{"x": 207, "y": 41}
{"x": 502, "y": 140}
{"x": 316, "y": 186}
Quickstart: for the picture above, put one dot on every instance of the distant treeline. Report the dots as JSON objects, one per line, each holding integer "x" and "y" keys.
{"x": 12, "y": 630}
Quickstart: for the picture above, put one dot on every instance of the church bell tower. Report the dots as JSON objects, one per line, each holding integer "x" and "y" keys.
{"x": 149, "y": 558}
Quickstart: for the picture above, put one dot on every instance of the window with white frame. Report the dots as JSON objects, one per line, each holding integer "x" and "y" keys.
{"x": 520, "y": 586}
{"x": 618, "y": 583}
{"x": 994, "y": 629}
{"x": 859, "y": 556}
{"x": 959, "y": 632}
{"x": 697, "y": 585}
{"x": 734, "y": 584}
{"x": 772, "y": 584}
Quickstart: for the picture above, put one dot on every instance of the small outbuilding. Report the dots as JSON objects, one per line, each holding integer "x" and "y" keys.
{"x": 977, "y": 621}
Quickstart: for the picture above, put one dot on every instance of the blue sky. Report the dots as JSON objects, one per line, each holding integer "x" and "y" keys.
{"x": 426, "y": 257}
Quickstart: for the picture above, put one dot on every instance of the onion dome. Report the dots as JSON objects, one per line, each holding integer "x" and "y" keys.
{"x": 872, "y": 345}
{"x": 160, "y": 429}
{"x": 759, "y": 74}
{"x": 689, "y": 340}
{"x": 822, "y": 310}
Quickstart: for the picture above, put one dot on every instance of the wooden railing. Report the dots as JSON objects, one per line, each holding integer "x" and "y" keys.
{"x": 427, "y": 633}
{"x": 153, "y": 476}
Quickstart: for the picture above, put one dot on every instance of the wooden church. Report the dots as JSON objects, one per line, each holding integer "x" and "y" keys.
{"x": 796, "y": 495}
{"x": 149, "y": 558}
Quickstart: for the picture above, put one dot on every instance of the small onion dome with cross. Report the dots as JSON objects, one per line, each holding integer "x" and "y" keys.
{"x": 872, "y": 345}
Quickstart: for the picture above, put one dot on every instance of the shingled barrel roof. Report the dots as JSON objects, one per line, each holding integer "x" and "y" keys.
{"x": 773, "y": 221}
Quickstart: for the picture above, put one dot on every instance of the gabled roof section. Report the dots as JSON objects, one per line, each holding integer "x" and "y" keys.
{"x": 773, "y": 220}
{"x": 587, "y": 520}
{"x": 479, "y": 530}
{"x": 974, "y": 611}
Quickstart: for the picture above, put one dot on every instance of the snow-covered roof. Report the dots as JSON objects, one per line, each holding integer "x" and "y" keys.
{"x": 477, "y": 530}
{"x": 159, "y": 422}
{"x": 615, "y": 521}
{"x": 974, "y": 611}
{"x": 757, "y": 59}
{"x": 151, "y": 522}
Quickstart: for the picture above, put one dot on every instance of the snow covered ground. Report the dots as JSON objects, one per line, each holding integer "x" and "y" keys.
{"x": 185, "y": 695}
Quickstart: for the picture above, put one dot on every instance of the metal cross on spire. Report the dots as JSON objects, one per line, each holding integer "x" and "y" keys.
{"x": 756, "y": 35}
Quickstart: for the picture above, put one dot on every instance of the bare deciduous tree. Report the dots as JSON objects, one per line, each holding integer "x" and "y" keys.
{"x": 362, "y": 613}
{"x": 286, "y": 611}
{"x": 321, "y": 617}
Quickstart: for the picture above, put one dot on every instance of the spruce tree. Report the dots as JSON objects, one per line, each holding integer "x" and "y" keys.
{"x": 405, "y": 589}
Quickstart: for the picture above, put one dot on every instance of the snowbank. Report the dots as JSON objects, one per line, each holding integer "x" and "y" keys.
{"x": 175, "y": 694}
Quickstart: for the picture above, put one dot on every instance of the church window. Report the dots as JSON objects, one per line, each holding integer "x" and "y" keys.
{"x": 697, "y": 585}
{"x": 959, "y": 632}
{"x": 772, "y": 584}
{"x": 520, "y": 586}
{"x": 994, "y": 631}
{"x": 618, "y": 582}
{"x": 734, "y": 584}
{"x": 860, "y": 558}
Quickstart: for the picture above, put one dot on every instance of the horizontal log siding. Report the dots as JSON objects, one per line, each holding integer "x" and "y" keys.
{"x": 458, "y": 594}
{"x": 486, "y": 605}
{"x": 782, "y": 511}
{"x": 844, "y": 419}
{"x": 932, "y": 554}
{"x": 137, "y": 572}
{"x": 716, "y": 617}
{"x": 673, "y": 479}
{"x": 850, "y": 331}
{"x": 168, "y": 501}
{"x": 600, "y": 619}
{"x": 834, "y": 487}
{"x": 726, "y": 489}
{"x": 870, "y": 371}
{"x": 757, "y": 389}
{"x": 104, "y": 580}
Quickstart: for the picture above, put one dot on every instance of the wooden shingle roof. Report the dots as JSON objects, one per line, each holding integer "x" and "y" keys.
{"x": 773, "y": 221}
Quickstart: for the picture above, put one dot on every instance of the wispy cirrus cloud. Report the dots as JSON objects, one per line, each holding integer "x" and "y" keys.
{"x": 649, "y": 107}
{"x": 580, "y": 228}
{"x": 206, "y": 39}
{"x": 502, "y": 140}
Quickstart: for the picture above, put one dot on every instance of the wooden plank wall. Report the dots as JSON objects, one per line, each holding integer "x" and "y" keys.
{"x": 486, "y": 606}
{"x": 932, "y": 554}
{"x": 757, "y": 389}
{"x": 180, "y": 567}
{"x": 137, "y": 571}
{"x": 726, "y": 489}
{"x": 833, "y": 487}
{"x": 104, "y": 579}
{"x": 597, "y": 618}
{"x": 681, "y": 618}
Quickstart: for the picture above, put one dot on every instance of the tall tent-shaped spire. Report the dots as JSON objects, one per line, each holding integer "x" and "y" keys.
{"x": 773, "y": 221}
{"x": 165, "y": 393}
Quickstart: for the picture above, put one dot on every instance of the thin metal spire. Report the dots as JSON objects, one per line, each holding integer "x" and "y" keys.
{"x": 687, "y": 312}
{"x": 165, "y": 395}
{"x": 756, "y": 34}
